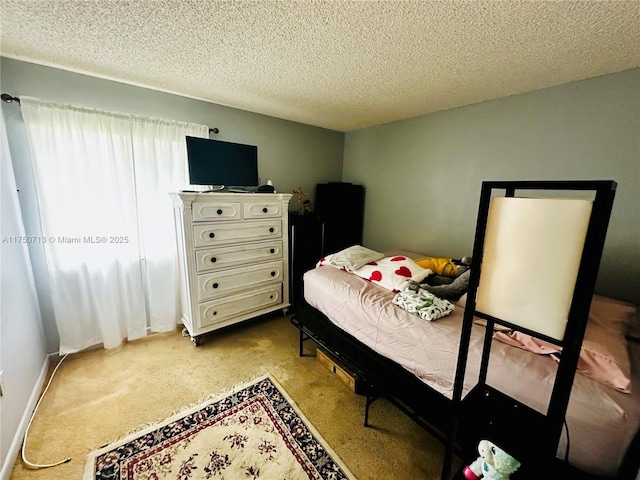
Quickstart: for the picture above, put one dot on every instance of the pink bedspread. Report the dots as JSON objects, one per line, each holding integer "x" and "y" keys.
{"x": 601, "y": 420}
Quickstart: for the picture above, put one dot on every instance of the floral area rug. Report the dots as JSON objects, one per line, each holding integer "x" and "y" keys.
{"x": 253, "y": 432}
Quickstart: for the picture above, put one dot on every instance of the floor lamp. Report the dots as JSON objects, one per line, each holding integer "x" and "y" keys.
{"x": 536, "y": 243}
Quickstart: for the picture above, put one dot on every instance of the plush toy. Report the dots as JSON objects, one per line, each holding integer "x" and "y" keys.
{"x": 439, "y": 266}
{"x": 450, "y": 291}
{"x": 453, "y": 280}
{"x": 493, "y": 463}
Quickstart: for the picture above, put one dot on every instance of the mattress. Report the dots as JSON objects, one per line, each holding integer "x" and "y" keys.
{"x": 601, "y": 421}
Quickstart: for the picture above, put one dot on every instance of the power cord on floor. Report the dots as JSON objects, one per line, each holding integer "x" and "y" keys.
{"x": 24, "y": 442}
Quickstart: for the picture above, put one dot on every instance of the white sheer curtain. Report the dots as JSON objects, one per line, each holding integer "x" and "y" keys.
{"x": 102, "y": 181}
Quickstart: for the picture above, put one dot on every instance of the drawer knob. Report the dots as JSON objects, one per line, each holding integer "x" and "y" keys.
{"x": 273, "y": 274}
{"x": 219, "y": 212}
{"x": 264, "y": 210}
{"x": 215, "y": 313}
{"x": 214, "y": 259}
{"x": 215, "y": 285}
{"x": 211, "y": 235}
{"x": 271, "y": 297}
{"x": 271, "y": 229}
{"x": 273, "y": 250}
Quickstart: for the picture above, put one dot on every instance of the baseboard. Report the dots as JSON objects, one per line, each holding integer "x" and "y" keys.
{"x": 16, "y": 443}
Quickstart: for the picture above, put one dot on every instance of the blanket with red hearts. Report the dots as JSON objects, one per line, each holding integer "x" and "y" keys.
{"x": 388, "y": 272}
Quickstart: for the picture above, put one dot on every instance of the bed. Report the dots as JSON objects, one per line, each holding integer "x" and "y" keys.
{"x": 411, "y": 361}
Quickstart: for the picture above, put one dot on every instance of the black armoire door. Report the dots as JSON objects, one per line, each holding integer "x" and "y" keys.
{"x": 306, "y": 249}
{"x": 340, "y": 206}
{"x": 336, "y": 224}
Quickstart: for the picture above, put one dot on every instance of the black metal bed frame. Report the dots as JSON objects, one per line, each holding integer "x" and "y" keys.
{"x": 452, "y": 421}
{"x": 382, "y": 377}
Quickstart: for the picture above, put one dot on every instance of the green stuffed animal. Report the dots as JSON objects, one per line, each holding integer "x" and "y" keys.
{"x": 492, "y": 464}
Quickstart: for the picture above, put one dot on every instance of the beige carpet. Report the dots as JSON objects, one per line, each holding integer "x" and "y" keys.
{"x": 99, "y": 395}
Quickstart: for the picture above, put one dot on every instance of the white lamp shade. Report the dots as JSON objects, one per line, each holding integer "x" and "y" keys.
{"x": 532, "y": 253}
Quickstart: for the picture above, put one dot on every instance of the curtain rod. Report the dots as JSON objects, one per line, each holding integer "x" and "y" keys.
{"x": 9, "y": 99}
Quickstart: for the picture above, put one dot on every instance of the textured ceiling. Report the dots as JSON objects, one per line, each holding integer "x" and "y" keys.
{"x": 341, "y": 65}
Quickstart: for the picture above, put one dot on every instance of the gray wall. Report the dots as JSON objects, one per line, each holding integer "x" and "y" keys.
{"x": 422, "y": 176}
{"x": 290, "y": 154}
{"x": 22, "y": 346}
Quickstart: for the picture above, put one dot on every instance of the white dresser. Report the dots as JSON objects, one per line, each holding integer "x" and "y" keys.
{"x": 233, "y": 257}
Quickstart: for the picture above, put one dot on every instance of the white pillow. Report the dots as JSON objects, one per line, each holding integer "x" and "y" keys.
{"x": 352, "y": 258}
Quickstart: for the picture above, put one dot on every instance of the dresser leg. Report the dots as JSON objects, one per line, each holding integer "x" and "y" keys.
{"x": 196, "y": 341}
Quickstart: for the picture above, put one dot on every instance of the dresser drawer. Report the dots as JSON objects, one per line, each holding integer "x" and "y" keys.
{"x": 262, "y": 209}
{"x": 232, "y": 306}
{"x": 220, "y": 234}
{"x": 212, "y": 211}
{"x": 221, "y": 282}
{"x": 223, "y": 257}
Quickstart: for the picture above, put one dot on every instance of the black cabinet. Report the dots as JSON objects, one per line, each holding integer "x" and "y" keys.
{"x": 336, "y": 224}
{"x": 305, "y": 239}
{"x": 341, "y": 207}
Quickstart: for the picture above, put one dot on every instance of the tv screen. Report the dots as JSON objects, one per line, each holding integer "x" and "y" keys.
{"x": 218, "y": 163}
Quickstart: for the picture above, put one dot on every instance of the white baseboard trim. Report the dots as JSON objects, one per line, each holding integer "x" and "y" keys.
{"x": 16, "y": 443}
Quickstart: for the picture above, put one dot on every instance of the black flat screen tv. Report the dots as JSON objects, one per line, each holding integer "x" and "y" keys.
{"x": 222, "y": 164}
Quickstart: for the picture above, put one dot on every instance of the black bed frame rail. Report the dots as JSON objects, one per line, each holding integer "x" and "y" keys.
{"x": 374, "y": 386}
{"x": 498, "y": 426}
{"x": 427, "y": 408}
{"x": 381, "y": 376}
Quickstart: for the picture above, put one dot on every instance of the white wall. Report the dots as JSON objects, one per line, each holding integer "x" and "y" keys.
{"x": 23, "y": 355}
